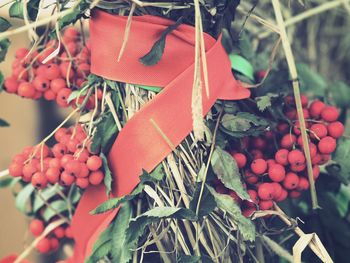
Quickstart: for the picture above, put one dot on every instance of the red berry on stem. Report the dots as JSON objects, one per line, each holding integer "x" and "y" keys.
{"x": 59, "y": 232}
{"x": 282, "y": 196}
{"x": 82, "y": 182}
{"x": 240, "y": 159}
{"x": 95, "y": 178}
{"x": 258, "y": 166}
{"x": 335, "y": 129}
{"x": 281, "y": 156}
{"x": 298, "y": 167}
{"x": 26, "y": 90}
{"x": 59, "y": 150}
{"x": 36, "y": 227}
{"x": 303, "y": 184}
{"x": 316, "y": 171}
{"x": 265, "y": 191}
{"x": 62, "y": 97}
{"x": 53, "y": 175}
{"x": 52, "y": 71}
{"x": 58, "y": 84}
{"x": 43, "y": 246}
{"x": 288, "y": 141}
{"x": 94, "y": 163}
{"x": 69, "y": 232}
{"x": 15, "y": 169}
{"x": 291, "y": 181}
{"x": 316, "y": 108}
{"x": 39, "y": 180}
{"x": 327, "y": 145}
{"x": 41, "y": 84}
{"x": 11, "y": 84}
{"x": 265, "y": 204}
{"x": 318, "y": 131}
{"x": 250, "y": 177}
{"x": 66, "y": 179}
{"x": 54, "y": 244}
{"x": 296, "y": 157}
{"x": 294, "y": 194}
{"x": 277, "y": 172}
{"x": 277, "y": 190}
{"x": 330, "y": 113}
{"x": 253, "y": 195}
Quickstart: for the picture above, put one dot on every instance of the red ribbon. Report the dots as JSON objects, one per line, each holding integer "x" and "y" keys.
{"x": 139, "y": 145}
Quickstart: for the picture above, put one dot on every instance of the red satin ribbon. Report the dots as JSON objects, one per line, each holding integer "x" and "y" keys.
{"x": 139, "y": 145}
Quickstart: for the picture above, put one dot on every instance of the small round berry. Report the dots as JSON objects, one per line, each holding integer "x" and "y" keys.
{"x": 58, "y": 84}
{"x": 60, "y": 133}
{"x": 81, "y": 155}
{"x": 265, "y": 191}
{"x": 303, "y": 184}
{"x": 43, "y": 246}
{"x": 49, "y": 95}
{"x": 277, "y": 190}
{"x": 316, "y": 108}
{"x": 41, "y": 84}
{"x": 318, "y": 131}
{"x": 294, "y": 194}
{"x": 83, "y": 183}
{"x": 298, "y": 167}
{"x": 258, "y": 166}
{"x": 72, "y": 145}
{"x": 296, "y": 157}
{"x": 54, "y": 244}
{"x": 324, "y": 158}
{"x": 250, "y": 177}
{"x": 59, "y": 232}
{"x": 67, "y": 179}
{"x": 265, "y": 204}
{"x": 281, "y": 156}
{"x": 53, "y": 175}
{"x": 94, "y": 163}
{"x": 73, "y": 167}
{"x": 95, "y": 178}
{"x": 55, "y": 163}
{"x": 270, "y": 162}
{"x": 291, "y": 181}
{"x": 11, "y": 85}
{"x": 259, "y": 143}
{"x": 52, "y": 71}
{"x": 291, "y": 114}
{"x": 39, "y": 180}
{"x": 315, "y": 171}
{"x": 288, "y": 141}
{"x": 335, "y": 129}
{"x": 36, "y": 227}
{"x": 327, "y": 145}
{"x": 21, "y": 52}
{"x": 68, "y": 232}
{"x": 256, "y": 154}
{"x": 276, "y": 173}
{"x": 282, "y": 196}
{"x": 15, "y": 169}
{"x": 65, "y": 159}
{"x": 26, "y": 90}
{"x": 330, "y": 114}
{"x": 248, "y": 211}
{"x": 240, "y": 158}
{"x": 62, "y": 97}
{"x": 59, "y": 150}
{"x": 304, "y": 100}
{"x": 253, "y": 195}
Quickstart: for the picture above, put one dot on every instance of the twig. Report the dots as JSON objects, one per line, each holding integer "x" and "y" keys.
{"x": 4, "y": 173}
{"x": 127, "y": 31}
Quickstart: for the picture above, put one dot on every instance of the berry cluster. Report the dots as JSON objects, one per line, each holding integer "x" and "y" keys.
{"x": 52, "y": 241}
{"x": 33, "y": 77}
{"x": 69, "y": 161}
{"x": 274, "y": 165}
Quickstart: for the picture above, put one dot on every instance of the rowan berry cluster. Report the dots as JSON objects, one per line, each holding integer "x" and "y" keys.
{"x": 37, "y": 74}
{"x": 50, "y": 242}
{"x": 274, "y": 165}
{"x": 69, "y": 161}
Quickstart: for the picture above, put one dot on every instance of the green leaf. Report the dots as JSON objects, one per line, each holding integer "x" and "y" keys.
{"x": 155, "y": 176}
{"x": 102, "y": 246}
{"x": 137, "y": 226}
{"x": 119, "y": 230}
{"x": 264, "y": 102}
{"x": 157, "y": 50}
{"x": 341, "y": 158}
{"x": 106, "y": 132}
{"x": 46, "y": 195}
{"x": 243, "y": 124}
{"x": 188, "y": 259}
{"x": 16, "y": 10}
{"x": 227, "y": 204}
{"x": 9, "y": 182}
{"x": 225, "y": 167}
{"x": 74, "y": 194}
{"x": 340, "y": 92}
{"x": 23, "y": 197}
{"x": 4, "y": 123}
{"x": 58, "y": 206}
{"x": 241, "y": 65}
{"x": 1, "y": 81}
{"x": 108, "y": 175}
{"x": 150, "y": 88}
{"x": 310, "y": 81}
{"x": 4, "y": 24}
{"x": 4, "y": 45}
{"x": 207, "y": 204}
{"x": 76, "y": 14}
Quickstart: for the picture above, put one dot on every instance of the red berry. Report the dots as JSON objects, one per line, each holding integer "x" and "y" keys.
{"x": 55, "y": 163}
{"x": 313, "y": 150}
{"x": 11, "y": 85}
{"x": 41, "y": 84}
{"x": 82, "y": 182}
{"x": 60, "y": 133}
{"x": 335, "y": 129}
{"x": 291, "y": 181}
{"x": 240, "y": 158}
{"x": 95, "y": 178}
{"x": 21, "y": 52}
{"x": 270, "y": 162}
{"x": 288, "y": 141}
{"x": 315, "y": 171}
{"x": 324, "y": 158}
{"x": 256, "y": 154}
{"x": 248, "y": 212}
{"x": 26, "y": 90}
{"x": 250, "y": 177}
{"x": 94, "y": 163}
{"x": 303, "y": 184}
{"x": 330, "y": 113}
{"x": 62, "y": 97}
{"x": 298, "y": 167}
{"x": 15, "y": 169}
{"x": 304, "y": 100}
{"x": 327, "y": 145}
{"x": 65, "y": 159}
{"x": 259, "y": 143}
{"x": 36, "y": 227}
{"x": 72, "y": 145}
{"x": 73, "y": 167}
{"x": 66, "y": 179}
{"x": 59, "y": 150}
{"x": 43, "y": 246}
{"x": 283, "y": 127}
{"x": 265, "y": 191}
{"x": 281, "y": 156}
{"x": 253, "y": 195}
{"x": 69, "y": 232}
{"x": 39, "y": 180}
{"x": 282, "y": 196}
{"x": 54, "y": 244}
{"x": 59, "y": 232}
{"x": 53, "y": 175}
{"x": 296, "y": 157}
{"x": 57, "y": 84}
{"x": 52, "y": 71}
{"x": 265, "y": 204}
{"x": 277, "y": 190}
{"x": 318, "y": 131}
{"x": 19, "y": 158}
{"x": 316, "y": 108}
{"x": 258, "y": 166}
{"x": 291, "y": 114}
{"x": 81, "y": 155}
{"x": 294, "y": 194}
{"x": 71, "y": 34}
{"x": 49, "y": 95}
{"x": 277, "y": 172}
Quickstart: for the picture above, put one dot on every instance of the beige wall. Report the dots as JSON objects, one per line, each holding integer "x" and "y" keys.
{"x": 21, "y": 114}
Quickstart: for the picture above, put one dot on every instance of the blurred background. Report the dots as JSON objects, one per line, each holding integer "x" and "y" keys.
{"x": 320, "y": 39}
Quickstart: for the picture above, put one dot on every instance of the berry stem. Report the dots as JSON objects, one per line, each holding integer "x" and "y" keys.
{"x": 294, "y": 75}
{"x": 4, "y": 173}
